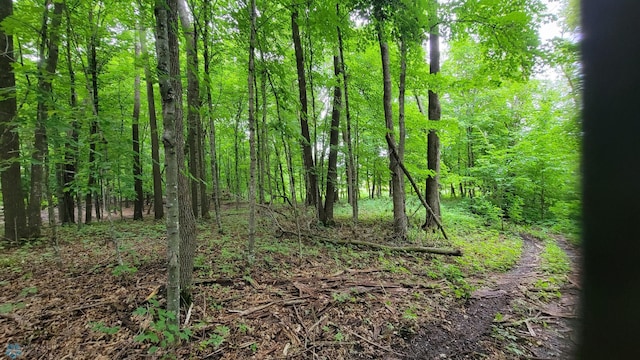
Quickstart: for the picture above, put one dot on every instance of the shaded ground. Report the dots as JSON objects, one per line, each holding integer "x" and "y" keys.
{"x": 330, "y": 302}
{"x": 506, "y": 319}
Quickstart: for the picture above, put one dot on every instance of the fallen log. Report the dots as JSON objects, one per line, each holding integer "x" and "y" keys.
{"x": 422, "y": 249}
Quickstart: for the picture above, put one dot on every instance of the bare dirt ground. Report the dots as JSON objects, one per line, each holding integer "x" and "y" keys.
{"x": 506, "y": 320}
{"x": 332, "y": 303}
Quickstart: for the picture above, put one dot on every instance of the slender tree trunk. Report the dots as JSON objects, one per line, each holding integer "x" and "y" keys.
{"x": 215, "y": 180}
{"x": 352, "y": 185}
{"x": 47, "y": 70}
{"x": 93, "y": 132}
{"x": 158, "y": 206}
{"x": 332, "y": 173}
{"x": 432, "y": 192}
{"x": 169, "y": 138}
{"x": 71, "y": 145}
{"x": 310, "y": 173}
{"x": 252, "y": 135}
{"x": 15, "y": 219}
{"x": 135, "y": 136}
{"x": 399, "y": 215}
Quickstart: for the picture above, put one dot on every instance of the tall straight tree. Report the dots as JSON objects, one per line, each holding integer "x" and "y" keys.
{"x": 158, "y": 207}
{"x": 92, "y": 78}
{"x": 398, "y": 196}
{"x": 15, "y": 220}
{"x": 50, "y": 38}
{"x": 135, "y": 137}
{"x": 252, "y": 132}
{"x": 433, "y": 141}
{"x": 170, "y": 99}
{"x": 193, "y": 102}
{"x": 187, "y": 219}
{"x": 313, "y": 192}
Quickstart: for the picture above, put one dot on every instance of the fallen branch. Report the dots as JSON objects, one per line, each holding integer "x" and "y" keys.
{"x": 394, "y": 151}
{"x": 431, "y": 250}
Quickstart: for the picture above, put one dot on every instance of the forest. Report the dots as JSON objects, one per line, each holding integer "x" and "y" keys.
{"x": 319, "y": 179}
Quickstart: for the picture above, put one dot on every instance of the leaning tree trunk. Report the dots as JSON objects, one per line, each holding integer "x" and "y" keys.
{"x": 433, "y": 142}
{"x": 399, "y": 215}
{"x": 313, "y": 194}
{"x": 15, "y": 219}
{"x": 169, "y": 138}
{"x": 45, "y": 78}
{"x": 135, "y": 137}
{"x": 332, "y": 173}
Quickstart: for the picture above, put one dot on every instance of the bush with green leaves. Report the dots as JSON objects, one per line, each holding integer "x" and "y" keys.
{"x": 161, "y": 333}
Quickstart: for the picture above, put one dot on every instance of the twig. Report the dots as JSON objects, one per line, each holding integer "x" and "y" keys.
{"x": 188, "y": 317}
{"x": 376, "y": 344}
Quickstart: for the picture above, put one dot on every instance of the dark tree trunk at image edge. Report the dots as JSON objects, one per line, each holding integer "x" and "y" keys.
{"x": 15, "y": 220}
{"x": 433, "y": 142}
{"x": 252, "y": 134}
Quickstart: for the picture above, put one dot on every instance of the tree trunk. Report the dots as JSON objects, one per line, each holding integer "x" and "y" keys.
{"x": 135, "y": 136}
{"x": 46, "y": 72}
{"x": 71, "y": 145}
{"x": 313, "y": 197}
{"x": 193, "y": 102}
{"x": 187, "y": 219}
{"x": 332, "y": 173}
{"x": 15, "y": 220}
{"x": 399, "y": 215}
{"x": 432, "y": 192}
{"x": 158, "y": 206}
{"x": 252, "y": 135}
{"x": 169, "y": 138}
{"x": 93, "y": 132}
{"x": 215, "y": 181}
{"x": 352, "y": 185}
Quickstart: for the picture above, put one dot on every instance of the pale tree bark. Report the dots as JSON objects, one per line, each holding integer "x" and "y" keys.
{"x": 332, "y": 173}
{"x": 187, "y": 219}
{"x": 47, "y": 69}
{"x": 215, "y": 181}
{"x": 15, "y": 219}
{"x": 313, "y": 193}
{"x": 135, "y": 137}
{"x": 432, "y": 192}
{"x": 158, "y": 207}
{"x": 169, "y": 138}
{"x": 252, "y": 135}
{"x": 399, "y": 214}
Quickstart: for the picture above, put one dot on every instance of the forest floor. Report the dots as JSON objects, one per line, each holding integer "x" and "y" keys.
{"x": 512, "y": 295}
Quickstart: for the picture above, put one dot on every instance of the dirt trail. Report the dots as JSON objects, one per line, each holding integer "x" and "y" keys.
{"x": 506, "y": 320}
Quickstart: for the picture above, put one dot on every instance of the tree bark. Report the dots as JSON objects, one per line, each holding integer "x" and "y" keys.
{"x": 215, "y": 181}
{"x": 332, "y": 173}
{"x": 46, "y": 72}
{"x": 158, "y": 206}
{"x": 71, "y": 145}
{"x": 138, "y": 203}
{"x": 170, "y": 99}
{"x": 93, "y": 132}
{"x": 15, "y": 219}
{"x": 313, "y": 193}
{"x": 433, "y": 141}
{"x": 352, "y": 184}
{"x": 399, "y": 214}
{"x": 252, "y": 135}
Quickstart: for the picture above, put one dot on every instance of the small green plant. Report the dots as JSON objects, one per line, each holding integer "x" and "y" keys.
{"x": 339, "y": 336}
{"x": 161, "y": 332}
{"x": 124, "y": 270}
{"x": 217, "y": 338}
{"x": 410, "y": 313}
{"x": 342, "y": 297}
{"x": 101, "y": 327}
{"x": 28, "y": 291}
{"x": 10, "y": 307}
{"x": 243, "y": 328}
